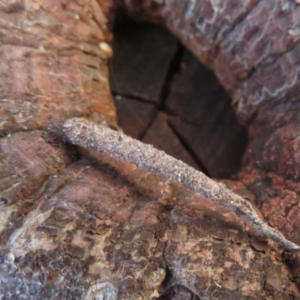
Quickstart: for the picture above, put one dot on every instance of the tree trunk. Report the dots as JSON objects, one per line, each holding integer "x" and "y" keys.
{"x": 75, "y": 224}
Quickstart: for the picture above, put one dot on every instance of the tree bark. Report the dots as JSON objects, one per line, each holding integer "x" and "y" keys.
{"x": 76, "y": 224}
{"x": 257, "y": 60}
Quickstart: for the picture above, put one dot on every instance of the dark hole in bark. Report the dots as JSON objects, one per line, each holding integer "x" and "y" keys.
{"x": 166, "y": 98}
{"x": 178, "y": 292}
{"x": 4, "y": 200}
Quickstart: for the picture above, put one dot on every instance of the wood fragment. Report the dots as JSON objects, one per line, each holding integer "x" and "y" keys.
{"x": 86, "y": 134}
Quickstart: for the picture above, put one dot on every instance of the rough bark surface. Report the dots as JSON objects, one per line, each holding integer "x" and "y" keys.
{"x": 92, "y": 228}
{"x": 257, "y": 61}
{"x": 51, "y": 65}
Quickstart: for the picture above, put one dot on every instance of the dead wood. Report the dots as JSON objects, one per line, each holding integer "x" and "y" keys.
{"x": 86, "y": 227}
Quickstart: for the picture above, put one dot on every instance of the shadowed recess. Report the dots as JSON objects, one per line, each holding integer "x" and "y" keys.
{"x": 166, "y": 98}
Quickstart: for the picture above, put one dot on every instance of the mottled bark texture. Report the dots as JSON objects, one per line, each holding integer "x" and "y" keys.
{"x": 93, "y": 228}
{"x": 87, "y": 134}
{"x": 253, "y": 47}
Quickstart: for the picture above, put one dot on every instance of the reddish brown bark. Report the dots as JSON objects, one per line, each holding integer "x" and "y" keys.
{"x": 257, "y": 60}
{"x": 51, "y": 64}
{"x": 92, "y": 227}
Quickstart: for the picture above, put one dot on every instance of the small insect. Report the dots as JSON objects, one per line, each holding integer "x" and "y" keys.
{"x": 87, "y": 134}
